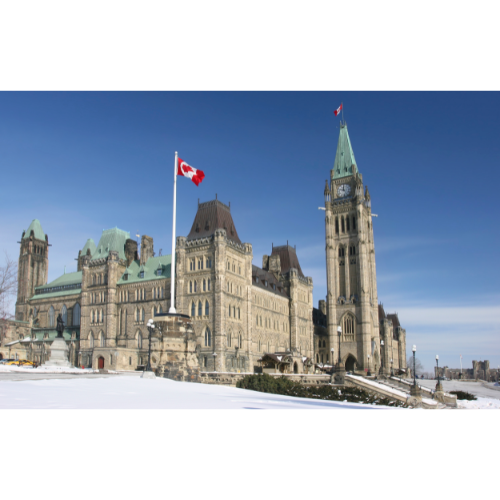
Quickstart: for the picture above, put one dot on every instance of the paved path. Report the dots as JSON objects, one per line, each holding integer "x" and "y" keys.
{"x": 481, "y": 389}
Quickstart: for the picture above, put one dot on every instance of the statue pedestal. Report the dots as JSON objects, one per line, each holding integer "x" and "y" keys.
{"x": 148, "y": 375}
{"x": 58, "y": 354}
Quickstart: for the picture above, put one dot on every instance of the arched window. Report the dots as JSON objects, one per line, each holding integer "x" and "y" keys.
{"x": 102, "y": 315}
{"x": 195, "y": 287}
{"x": 239, "y": 317}
{"x": 229, "y": 311}
{"x": 51, "y": 316}
{"x": 64, "y": 314}
{"x": 35, "y": 312}
{"x": 143, "y": 317}
{"x": 207, "y": 308}
{"x": 234, "y": 312}
{"x": 317, "y": 358}
{"x": 139, "y": 340}
{"x": 208, "y": 284}
{"x": 138, "y": 315}
{"x": 105, "y": 279}
{"x": 200, "y": 309}
{"x": 208, "y": 337}
{"x": 347, "y": 224}
{"x": 76, "y": 314}
{"x": 342, "y": 224}
{"x": 161, "y": 309}
{"x": 348, "y": 327}
{"x": 190, "y": 287}
{"x": 102, "y": 339}
{"x": 204, "y": 285}
{"x": 354, "y": 223}
{"x": 93, "y": 279}
{"x": 228, "y": 266}
{"x": 229, "y": 339}
{"x": 240, "y": 341}
{"x": 193, "y": 310}
{"x": 91, "y": 340}
{"x": 256, "y": 321}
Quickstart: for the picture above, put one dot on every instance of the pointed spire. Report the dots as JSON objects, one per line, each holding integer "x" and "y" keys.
{"x": 345, "y": 163}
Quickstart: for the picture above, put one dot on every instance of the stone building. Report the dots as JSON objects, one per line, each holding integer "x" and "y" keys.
{"x": 480, "y": 371}
{"x": 355, "y": 329}
{"x": 239, "y": 311}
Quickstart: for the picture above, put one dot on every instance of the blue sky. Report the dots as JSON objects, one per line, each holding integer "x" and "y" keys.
{"x": 83, "y": 162}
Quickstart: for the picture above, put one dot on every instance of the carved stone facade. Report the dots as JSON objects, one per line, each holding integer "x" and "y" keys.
{"x": 353, "y": 324}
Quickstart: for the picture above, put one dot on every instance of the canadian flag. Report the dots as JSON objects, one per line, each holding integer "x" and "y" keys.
{"x": 188, "y": 171}
{"x": 338, "y": 110}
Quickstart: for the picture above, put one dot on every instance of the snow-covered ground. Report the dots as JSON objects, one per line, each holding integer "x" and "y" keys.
{"x": 123, "y": 392}
{"x": 44, "y": 369}
{"x": 483, "y": 389}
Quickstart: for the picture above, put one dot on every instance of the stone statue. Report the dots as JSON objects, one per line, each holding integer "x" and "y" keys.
{"x": 60, "y": 327}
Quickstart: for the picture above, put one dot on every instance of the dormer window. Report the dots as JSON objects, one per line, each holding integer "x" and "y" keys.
{"x": 197, "y": 228}
{"x": 125, "y": 277}
{"x": 274, "y": 287}
{"x": 141, "y": 274}
{"x": 207, "y": 226}
{"x": 256, "y": 279}
{"x": 159, "y": 271}
{"x": 265, "y": 282}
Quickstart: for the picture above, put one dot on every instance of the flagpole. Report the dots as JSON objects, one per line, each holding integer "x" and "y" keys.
{"x": 342, "y": 104}
{"x": 172, "y": 264}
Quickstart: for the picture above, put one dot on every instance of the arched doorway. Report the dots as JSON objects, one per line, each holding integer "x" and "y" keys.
{"x": 1, "y": 355}
{"x": 295, "y": 368}
{"x": 350, "y": 363}
{"x": 100, "y": 363}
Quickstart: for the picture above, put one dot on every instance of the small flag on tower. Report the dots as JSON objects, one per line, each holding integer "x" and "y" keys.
{"x": 338, "y": 110}
{"x": 188, "y": 171}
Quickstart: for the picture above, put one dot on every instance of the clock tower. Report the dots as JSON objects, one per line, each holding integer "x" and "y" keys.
{"x": 352, "y": 303}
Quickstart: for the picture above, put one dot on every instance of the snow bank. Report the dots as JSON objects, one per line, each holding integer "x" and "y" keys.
{"x": 481, "y": 403}
{"x": 137, "y": 393}
{"x": 45, "y": 369}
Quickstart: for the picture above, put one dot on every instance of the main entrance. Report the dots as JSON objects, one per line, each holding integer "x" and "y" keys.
{"x": 100, "y": 363}
{"x": 350, "y": 363}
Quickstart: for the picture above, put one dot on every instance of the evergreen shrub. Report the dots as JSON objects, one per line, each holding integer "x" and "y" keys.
{"x": 287, "y": 387}
{"x": 464, "y": 395}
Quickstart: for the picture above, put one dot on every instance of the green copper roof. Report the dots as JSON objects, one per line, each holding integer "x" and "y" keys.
{"x": 37, "y": 229}
{"x": 344, "y": 159}
{"x": 62, "y": 293}
{"x": 65, "y": 279}
{"x": 90, "y": 244}
{"x": 150, "y": 270}
{"x": 111, "y": 240}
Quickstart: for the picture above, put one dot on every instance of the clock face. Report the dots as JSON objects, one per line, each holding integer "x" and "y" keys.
{"x": 343, "y": 190}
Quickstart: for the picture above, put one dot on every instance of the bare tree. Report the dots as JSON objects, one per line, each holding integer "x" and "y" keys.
{"x": 8, "y": 286}
{"x": 418, "y": 365}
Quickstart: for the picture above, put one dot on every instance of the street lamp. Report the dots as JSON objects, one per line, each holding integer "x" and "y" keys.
{"x": 151, "y": 326}
{"x": 215, "y": 356}
{"x": 332, "y": 350}
{"x": 339, "y": 331}
{"x": 368, "y": 372}
{"x": 414, "y": 349}
{"x": 392, "y": 371}
{"x": 438, "y": 386}
{"x": 382, "y": 354}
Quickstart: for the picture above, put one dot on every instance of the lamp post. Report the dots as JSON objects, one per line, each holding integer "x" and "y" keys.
{"x": 339, "y": 331}
{"x": 392, "y": 370}
{"x": 414, "y": 349}
{"x": 215, "y": 356}
{"x": 150, "y": 325}
{"x": 368, "y": 372}
{"x": 332, "y": 350}
{"x": 438, "y": 385}
{"x": 382, "y": 355}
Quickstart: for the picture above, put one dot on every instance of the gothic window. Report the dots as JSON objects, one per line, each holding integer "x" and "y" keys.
{"x": 76, "y": 314}
{"x": 348, "y": 327}
{"x": 193, "y": 310}
{"x": 92, "y": 316}
{"x": 229, "y": 339}
{"x": 139, "y": 340}
{"x": 317, "y": 358}
{"x": 161, "y": 309}
{"x": 261, "y": 321}
{"x": 354, "y": 223}
{"x": 137, "y": 315}
{"x": 207, "y": 308}
{"x": 99, "y": 279}
{"x": 342, "y": 223}
{"x": 228, "y": 286}
{"x": 51, "y": 316}
{"x": 195, "y": 286}
{"x": 341, "y": 251}
{"x": 239, "y": 269}
{"x": 208, "y": 284}
{"x": 347, "y": 224}
{"x": 191, "y": 265}
{"x": 200, "y": 309}
{"x": 93, "y": 279}
{"x": 105, "y": 279}
{"x": 336, "y": 225}
{"x": 204, "y": 285}
{"x": 208, "y": 337}
{"x": 190, "y": 287}
{"x": 240, "y": 341}
{"x": 91, "y": 340}
{"x": 64, "y": 314}
{"x": 200, "y": 263}
{"x": 234, "y": 312}
{"x": 143, "y": 315}
{"x": 35, "y": 312}
{"x": 209, "y": 263}
{"x": 102, "y": 340}
{"x": 239, "y": 317}
{"x": 228, "y": 266}
{"x": 229, "y": 313}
